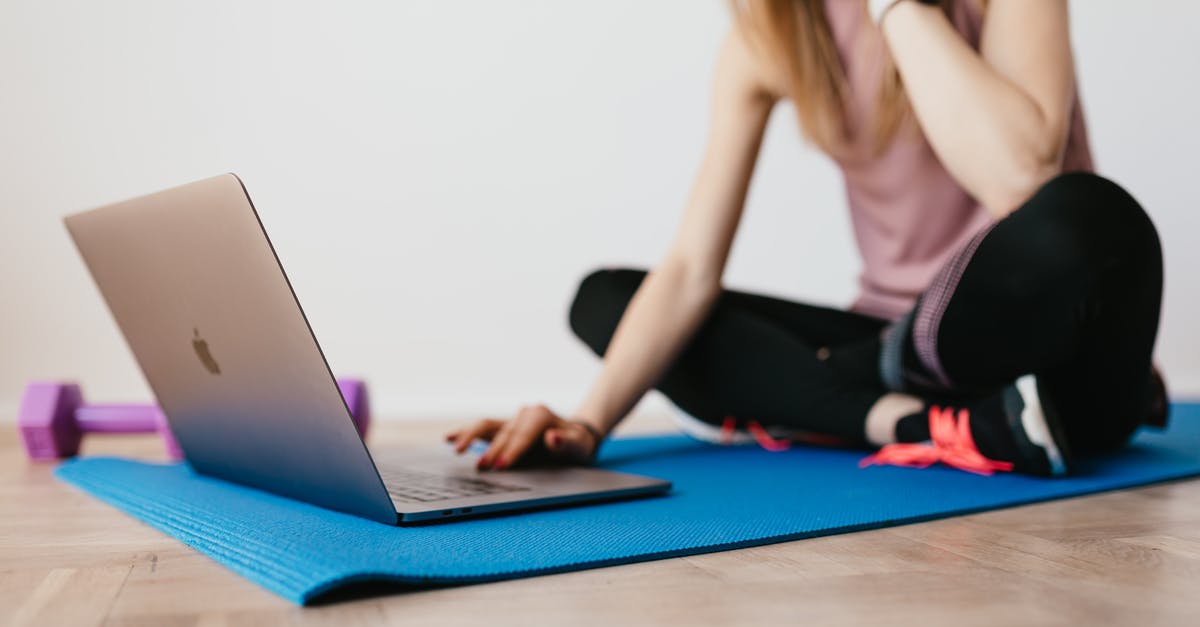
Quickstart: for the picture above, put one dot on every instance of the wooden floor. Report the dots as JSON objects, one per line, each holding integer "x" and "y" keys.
{"x": 1126, "y": 558}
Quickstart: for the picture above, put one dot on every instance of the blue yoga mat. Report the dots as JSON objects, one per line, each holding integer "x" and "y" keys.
{"x": 724, "y": 498}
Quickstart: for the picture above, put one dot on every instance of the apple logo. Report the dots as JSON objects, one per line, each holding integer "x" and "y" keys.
{"x": 203, "y": 353}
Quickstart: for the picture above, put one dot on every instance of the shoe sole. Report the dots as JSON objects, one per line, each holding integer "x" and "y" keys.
{"x": 705, "y": 432}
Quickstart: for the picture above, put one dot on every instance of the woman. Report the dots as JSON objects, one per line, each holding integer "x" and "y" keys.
{"x": 1009, "y": 298}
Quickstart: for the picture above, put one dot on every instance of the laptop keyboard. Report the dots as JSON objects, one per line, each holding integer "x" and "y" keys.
{"x": 412, "y": 486}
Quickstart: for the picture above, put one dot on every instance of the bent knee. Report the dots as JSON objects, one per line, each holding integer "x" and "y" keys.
{"x": 591, "y": 290}
{"x": 1082, "y": 216}
{"x": 599, "y": 303}
{"x": 1078, "y": 200}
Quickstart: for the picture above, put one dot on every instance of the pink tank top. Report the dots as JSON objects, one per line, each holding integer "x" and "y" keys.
{"x": 908, "y": 214}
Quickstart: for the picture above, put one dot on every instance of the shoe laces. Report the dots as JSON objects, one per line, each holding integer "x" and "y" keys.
{"x": 951, "y": 444}
{"x": 764, "y": 439}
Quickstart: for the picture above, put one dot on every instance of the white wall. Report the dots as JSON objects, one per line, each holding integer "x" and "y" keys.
{"x": 437, "y": 176}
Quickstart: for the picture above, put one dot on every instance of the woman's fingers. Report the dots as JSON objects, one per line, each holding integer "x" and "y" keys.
{"x": 484, "y": 430}
{"x": 488, "y": 459}
{"x": 523, "y": 436}
{"x": 516, "y": 435}
{"x": 512, "y": 439}
{"x": 463, "y": 439}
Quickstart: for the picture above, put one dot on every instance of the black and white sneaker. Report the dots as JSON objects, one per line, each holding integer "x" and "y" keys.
{"x": 1033, "y": 438}
{"x": 1037, "y": 430}
{"x": 705, "y": 431}
{"x": 1013, "y": 430}
{"x": 735, "y": 431}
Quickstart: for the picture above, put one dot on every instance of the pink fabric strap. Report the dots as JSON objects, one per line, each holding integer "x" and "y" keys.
{"x": 952, "y": 445}
{"x": 764, "y": 439}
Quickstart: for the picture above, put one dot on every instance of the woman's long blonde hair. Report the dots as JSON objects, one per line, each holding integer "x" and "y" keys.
{"x": 795, "y": 34}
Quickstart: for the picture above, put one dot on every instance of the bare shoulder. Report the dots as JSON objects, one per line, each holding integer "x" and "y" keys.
{"x": 745, "y": 69}
{"x": 1016, "y": 10}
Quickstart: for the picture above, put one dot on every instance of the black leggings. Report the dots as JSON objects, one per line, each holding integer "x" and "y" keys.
{"x": 1067, "y": 287}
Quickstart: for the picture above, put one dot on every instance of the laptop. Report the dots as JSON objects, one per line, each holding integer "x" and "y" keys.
{"x": 202, "y": 300}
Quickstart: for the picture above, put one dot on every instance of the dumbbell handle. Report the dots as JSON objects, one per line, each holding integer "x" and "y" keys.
{"x": 117, "y": 418}
{"x": 53, "y": 417}
{"x": 143, "y": 418}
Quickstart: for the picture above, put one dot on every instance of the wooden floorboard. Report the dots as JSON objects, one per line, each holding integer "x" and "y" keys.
{"x": 1120, "y": 558}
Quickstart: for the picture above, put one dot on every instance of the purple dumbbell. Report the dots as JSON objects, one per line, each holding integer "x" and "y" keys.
{"x": 53, "y": 418}
{"x": 354, "y": 392}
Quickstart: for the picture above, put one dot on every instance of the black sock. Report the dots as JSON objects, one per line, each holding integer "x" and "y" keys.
{"x": 913, "y": 427}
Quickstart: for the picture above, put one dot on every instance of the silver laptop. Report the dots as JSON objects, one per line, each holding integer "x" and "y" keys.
{"x": 195, "y": 286}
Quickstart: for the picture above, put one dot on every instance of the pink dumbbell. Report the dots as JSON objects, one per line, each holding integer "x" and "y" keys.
{"x": 53, "y": 418}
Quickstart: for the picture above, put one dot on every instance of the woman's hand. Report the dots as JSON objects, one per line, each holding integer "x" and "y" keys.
{"x": 535, "y": 428}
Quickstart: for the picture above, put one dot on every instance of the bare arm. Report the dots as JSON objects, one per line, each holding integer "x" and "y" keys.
{"x": 677, "y": 295}
{"x": 997, "y": 119}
